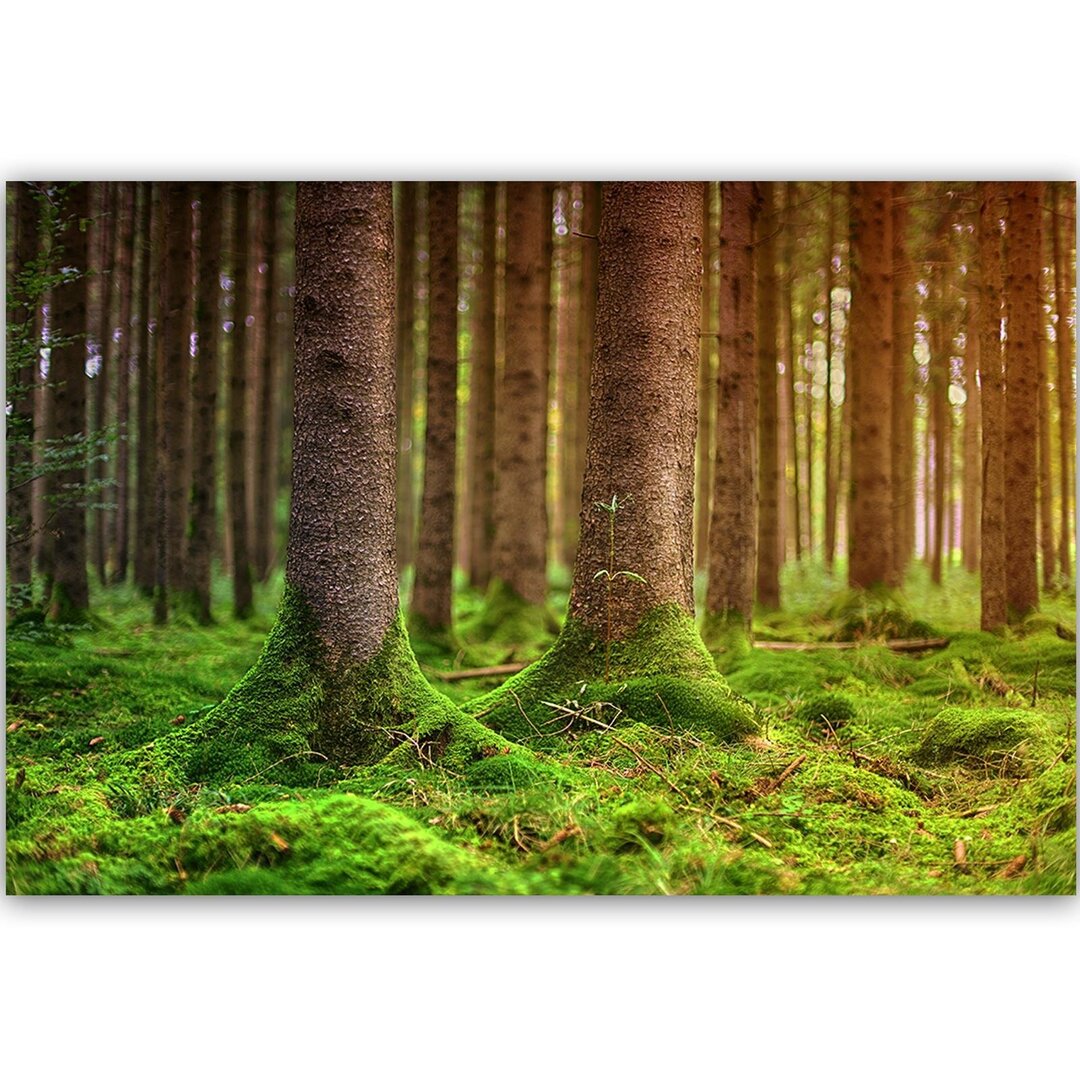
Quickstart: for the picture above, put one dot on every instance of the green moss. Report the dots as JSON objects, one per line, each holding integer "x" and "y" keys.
{"x": 877, "y": 613}
{"x": 662, "y": 675}
{"x": 506, "y": 619}
{"x": 826, "y": 710}
{"x": 996, "y": 737}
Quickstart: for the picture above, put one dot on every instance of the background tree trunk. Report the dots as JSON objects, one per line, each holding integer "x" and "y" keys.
{"x": 102, "y": 280}
{"x": 433, "y": 588}
{"x": 405, "y": 247}
{"x": 832, "y": 469}
{"x": 149, "y": 339}
{"x": 706, "y": 383}
{"x": 126, "y": 352}
{"x": 1066, "y": 354}
{"x": 903, "y": 400}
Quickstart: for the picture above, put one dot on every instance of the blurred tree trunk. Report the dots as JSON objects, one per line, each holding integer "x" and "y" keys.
{"x": 768, "y": 542}
{"x": 237, "y": 410}
{"x": 903, "y": 400}
{"x": 870, "y": 560}
{"x": 1046, "y": 480}
{"x": 1022, "y": 273}
{"x": 126, "y": 352}
{"x": 706, "y": 383}
{"x": 405, "y": 280}
{"x": 992, "y": 532}
{"x": 733, "y": 528}
{"x": 1066, "y": 354}
{"x": 204, "y": 424}
{"x": 102, "y": 246}
{"x": 69, "y": 597}
{"x": 832, "y": 469}
{"x": 433, "y": 587}
{"x": 789, "y": 440}
{"x": 972, "y": 495}
{"x": 146, "y": 447}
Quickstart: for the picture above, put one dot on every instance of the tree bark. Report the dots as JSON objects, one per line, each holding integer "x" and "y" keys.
{"x": 1022, "y": 246}
{"x": 733, "y": 528}
{"x": 237, "y": 411}
{"x": 706, "y": 382}
{"x": 790, "y": 510}
{"x": 101, "y": 332}
{"x": 972, "y": 493}
{"x": 831, "y": 464}
{"x": 69, "y": 598}
{"x": 433, "y": 587}
{"x": 768, "y": 543}
{"x": 1046, "y": 481}
{"x": 1065, "y": 349}
{"x": 903, "y": 401}
{"x": 992, "y": 577}
{"x": 126, "y": 351}
{"x": 405, "y": 245}
{"x": 521, "y": 524}
{"x": 870, "y": 561}
{"x": 148, "y": 341}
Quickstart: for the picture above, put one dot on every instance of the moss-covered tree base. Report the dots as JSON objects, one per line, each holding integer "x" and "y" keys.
{"x": 663, "y": 676}
{"x": 879, "y": 613}
{"x": 727, "y": 634}
{"x": 507, "y": 619}
{"x": 294, "y": 716}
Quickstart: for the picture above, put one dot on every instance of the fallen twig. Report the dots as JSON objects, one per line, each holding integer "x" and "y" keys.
{"x": 899, "y": 645}
{"x": 478, "y": 672}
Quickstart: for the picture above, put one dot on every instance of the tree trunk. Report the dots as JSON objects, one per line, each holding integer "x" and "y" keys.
{"x": 831, "y": 464}
{"x": 148, "y": 341}
{"x": 1066, "y": 352}
{"x": 903, "y": 402}
{"x": 988, "y": 264}
{"x": 125, "y": 263}
{"x": 789, "y": 438}
{"x": 706, "y": 382}
{"x": 101, "y": 332}
{"x": 1046, "y": 482}
{"x": 972, "y": 494}
{"x": 1023, "y": 248}
{"x": 433, "y": 587}
{"x": 733, "y": 528}
{"x": 519, "y": 562}
{"x": 768, "y": 543}
{"x": 237, "y": 411}
{"x": 482, "y": 398}
{"x": 69, "y": 598}
{"x": 870, "y": 560}
{"x": 406, "y": 359}
{"x": 204, "y": 422}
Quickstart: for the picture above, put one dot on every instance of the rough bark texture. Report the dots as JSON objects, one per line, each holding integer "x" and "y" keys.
{"x": 520, "y": 555}
{"x": 706, "y": 383}
{"x": 344, "y": 417}
{"x": 145, "y": 450}
{"x": 870, "y": 560}
{"x": 237, "y": 412}
{"x": 733, "y": 528}
{"x": 482, "y": 400}
{"x": 204, "y": 420}
{"x": 70, "y": 596}
{"x": 643, "y": 412}
{"x": 988, "y": 263}
{"x": 21, "y": 372}
{"x": 768, "y": 526}
{"x": 125, "y": 266}
{"x": 1022, "y": 244}
{"x": 1065, "y": 348}
{"x": 405, "y": 246}
{"x": 903, "y": 399}
{"x": 433, "y": 587}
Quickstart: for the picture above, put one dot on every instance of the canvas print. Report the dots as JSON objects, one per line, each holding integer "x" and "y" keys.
{"x": 561, "y": 537}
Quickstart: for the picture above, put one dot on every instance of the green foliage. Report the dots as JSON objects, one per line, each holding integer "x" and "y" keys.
{"x": 830, "y": 710}
{"x": 1000, "y": 738}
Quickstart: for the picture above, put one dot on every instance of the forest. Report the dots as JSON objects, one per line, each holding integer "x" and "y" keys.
{"x": 518, "y": 537}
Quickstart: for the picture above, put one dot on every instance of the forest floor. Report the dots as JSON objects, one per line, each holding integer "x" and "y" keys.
{"x": 949, "y": 770}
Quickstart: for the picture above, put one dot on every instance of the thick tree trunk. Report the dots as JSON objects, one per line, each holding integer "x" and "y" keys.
{"x": 125, "y": 263}
{"x": 146, "y": 447}
{"x": 520, "y": 554}
{"x": 204, "y": 421}
{"x": 70, "y": 595}
{"x": 405, "y": 222}
{"x": 870, "y": 561}
{"x": 831, "y": 464}
{"x": 988, "y": 263}
{"x": 1065, "y": 349}
{"x": 706, "y": 381}
{"x": 482, "y": 398}
{"x": 22, "y": 374}
{"x": 903, "y": 401}
{"x": 237, "y": 411}
{"x": 433, "y": 587}
{"x": 733, "y": 528}
{"x": 768, "y": 542}
{"x": 1023, "y": 248}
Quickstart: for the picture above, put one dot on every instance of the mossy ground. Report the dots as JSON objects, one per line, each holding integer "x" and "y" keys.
{"x": 632, "y": 804}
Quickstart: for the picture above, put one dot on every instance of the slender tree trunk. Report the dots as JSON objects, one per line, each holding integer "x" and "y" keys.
{"x": 1066, "y": 353}
{"x": 1023, "y": 250}
{"x": 972, "y": 496}
{"x": 126, "y": 351}
{"x": 520, "y": 553}
{"x": 146, "y": 447}
{"x": 938, "y": 389}
{"x": 406, "y": 353}
{"x": 831, "y": 464}
{"x": 733, "y": 529}
{"x": 768, "y": 545}
{"x": 1046, "y": 480}
{"x": 237, "y": 412}
{"x": 22, "y": 374}
{"x": 433, "y": 588}
{"x": 789, "y": 437}
{"x": 903, "y": 414}
{"x": 992, "y": 577}
{"x": 706, "y": 381}
{"x": 870, "y": 561}
{"x": 43, "y": 430}
{"x": 204, "y": 422}
{"x": 100, "y": 331}
{"x": 70, "y": 594}
{"x": 810, "y": 367}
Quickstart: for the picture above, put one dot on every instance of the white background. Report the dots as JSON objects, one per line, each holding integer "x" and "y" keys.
{"x": 875, "y": 987}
